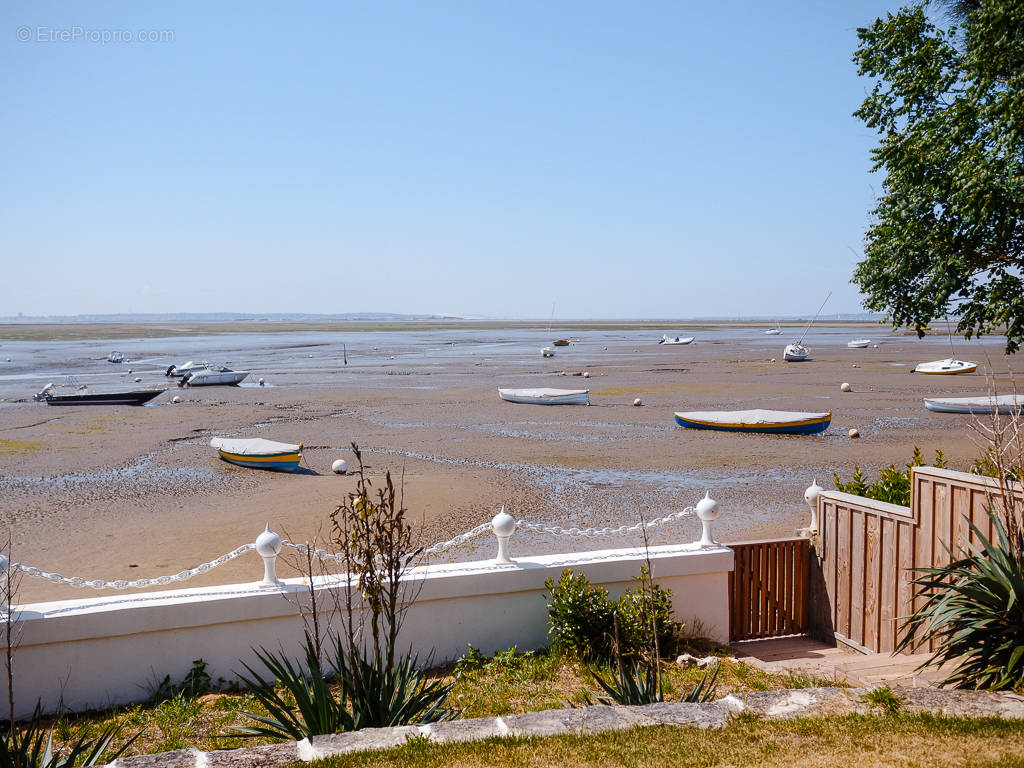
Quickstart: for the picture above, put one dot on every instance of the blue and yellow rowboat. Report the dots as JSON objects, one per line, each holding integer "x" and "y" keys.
{"x": 757, "y": 420}
{"x": 259, "y": 453}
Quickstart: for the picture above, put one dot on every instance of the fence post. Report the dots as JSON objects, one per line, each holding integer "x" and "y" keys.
{"x": 707, "y": 511}
{"x": 811, "y": 497}
{"x": 503, "y": 524}
{"x": 268, "y": 546}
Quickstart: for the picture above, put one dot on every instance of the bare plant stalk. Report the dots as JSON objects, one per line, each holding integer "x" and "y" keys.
{"x": 9, "y": 588}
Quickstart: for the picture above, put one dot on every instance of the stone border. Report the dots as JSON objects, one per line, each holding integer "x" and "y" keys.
{"x": 771, "y": 705}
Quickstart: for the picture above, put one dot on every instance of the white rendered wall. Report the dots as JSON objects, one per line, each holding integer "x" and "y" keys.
{"x": 100, "y": 652}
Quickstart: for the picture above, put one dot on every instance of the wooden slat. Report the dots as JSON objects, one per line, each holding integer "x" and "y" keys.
{"x": 857, "y": 576}
{"x": 887, "y": 600}
{"x": 872, "y": 579}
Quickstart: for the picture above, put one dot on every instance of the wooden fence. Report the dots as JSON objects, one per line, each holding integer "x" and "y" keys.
{"x": 866, "y": 550}
{"x": 768, "y": 589}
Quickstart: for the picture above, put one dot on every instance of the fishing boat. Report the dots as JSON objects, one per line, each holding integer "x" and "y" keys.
{"x": 757, "y": 420}
{"x": 212, "y": 375}
{"x": 797, "y": 352}
{"x": 982, "y": 404}
{"x": 258, "y": 453}
{"x": 184, "y": 369}
{"x": 83, "y": 397}
{"x": 115, "y": 357}
{"x": 949, "y": 366}
{"x": 547, "y": 352}
{"x": 562, "y": 342}
{"x": 859, "y": 344}
{"x": 676, "y": 339}
{"x": 546, "y": 396}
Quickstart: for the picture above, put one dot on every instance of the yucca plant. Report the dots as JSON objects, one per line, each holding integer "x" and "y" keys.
{"x": 32, "y": 746}
{"x": 974, "y": 611}
{"x": 399, "y": 694}
{"x": 640, "y": 684}
{"x": 298, "y": 699}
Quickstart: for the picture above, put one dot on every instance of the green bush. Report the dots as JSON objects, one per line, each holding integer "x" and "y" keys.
{"x": 974, "y": 611}
{"x": 893, "y": 484}
{"x": 582, "y": 616}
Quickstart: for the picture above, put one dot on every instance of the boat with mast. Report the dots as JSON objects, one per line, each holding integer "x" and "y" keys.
{"x": 797, "y": 352}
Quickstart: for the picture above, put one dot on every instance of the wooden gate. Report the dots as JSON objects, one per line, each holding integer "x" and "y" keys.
{"x": 769, "y": 589}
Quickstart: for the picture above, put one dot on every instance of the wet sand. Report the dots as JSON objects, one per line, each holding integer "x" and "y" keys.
{"x": 124, "y": 493}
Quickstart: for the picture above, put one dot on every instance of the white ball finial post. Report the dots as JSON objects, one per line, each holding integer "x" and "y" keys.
{"x": 504, "y": 525}
{"x": 268, "y": 546}
{"x": 811, "y": 497}
{"x": 707, "y": 511}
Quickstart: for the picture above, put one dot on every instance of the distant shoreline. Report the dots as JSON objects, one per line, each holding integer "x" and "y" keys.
{"x": 27, "y": 331}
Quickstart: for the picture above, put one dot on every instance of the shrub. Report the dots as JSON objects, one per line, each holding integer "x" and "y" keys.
{"x": 974, "y": 610}
{"x": 893, "y": 485}
{"x": 31, "y": 746}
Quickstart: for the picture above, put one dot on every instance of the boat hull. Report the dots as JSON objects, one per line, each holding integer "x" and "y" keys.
{"x": 106, "y": 398}
{"x": 859, "y": 344}
{"x": 282, "y": 462}
{"x": 795, "y": 353}
{"x": 224, "y": 379}
{"x": 731, "y": 421}
{"x": 561, "y": 342}
{"x": 546, "y": 396}
{"x": 1004, "y": 404}
{"x": 949, "y": 367}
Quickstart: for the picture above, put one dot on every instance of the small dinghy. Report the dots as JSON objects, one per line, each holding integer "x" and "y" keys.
{"x": 115, "y": 357}
{"x": 212, "y": 375}
{"x": 259, "y": 453}
{"x": 676, "y": 339}
{"x": 546, "y": 396}
{"x": 947, "y": 367}
{"x": 547, "y": 352}
{"x": 982, "y": 404}
{"x": 562, "y": 342}
{"x": 758, "y": 420}
{"x": 859, "y": 344}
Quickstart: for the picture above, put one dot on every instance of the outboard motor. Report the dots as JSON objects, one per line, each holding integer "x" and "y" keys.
{"x": 183, "y": 381}
{"x": 169, "y": 371}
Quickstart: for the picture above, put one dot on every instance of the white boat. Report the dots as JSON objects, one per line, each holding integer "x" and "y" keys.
{"x": 259, "y": 453}
{"x": 757, "y": 420}
{"x": 795, "y": 353}
{"x": 949, "y": 366}
{"x": 184, "y": 369}
{"x": 859, "y": 344}
{"x": 116, "y": 357}
{"x": 546, "y": 396}
{"x": 547, "y": 352}
{"x": 212, "y": 375}
{"x": 774, "y": 331}
{"x": 676, "y": 339}
{"x": 982, "y": 404}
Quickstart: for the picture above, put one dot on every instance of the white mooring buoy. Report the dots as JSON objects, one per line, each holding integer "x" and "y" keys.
{"x": 340, "y": 467}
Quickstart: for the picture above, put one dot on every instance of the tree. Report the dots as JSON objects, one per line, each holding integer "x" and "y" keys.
{"x": 947, "y": 235}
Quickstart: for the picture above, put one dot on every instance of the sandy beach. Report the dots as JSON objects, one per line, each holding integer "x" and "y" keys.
{"x": 124, "y": 493}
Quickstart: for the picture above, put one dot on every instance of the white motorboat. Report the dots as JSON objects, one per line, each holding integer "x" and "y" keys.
{"x": 949, "y": 366}
{"x": 859, "y": 344}
{"x": 547, "y": 352}
{"x": 184, "y": 369}
{"x": 546, "y": 396}
{"x": 795, "y": 353}
{"x": 115, "y": 357}
{"x": 981, "y": 404}
{"x": 676, "y": 339}
{"x": 774, "y": 331}
{"x": 212, "y": 375}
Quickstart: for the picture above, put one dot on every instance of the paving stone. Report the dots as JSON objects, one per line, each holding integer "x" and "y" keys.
{"x": 179, "y": 758}
{"x": 709, "y": 715}
{"x": 551, "y": 722}
{"x": 263, "y": 756}
{"x": 599, "y": 717}
{"x": 356, "y": 741}
{"x": 477, "y": 728}
{"x": 803, "y": 702}
{"x": 962, "y": 703}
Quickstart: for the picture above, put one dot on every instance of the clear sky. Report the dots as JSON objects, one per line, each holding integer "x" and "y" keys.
{"x": 617, "y": 160}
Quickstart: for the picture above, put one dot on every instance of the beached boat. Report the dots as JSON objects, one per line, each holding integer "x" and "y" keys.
{"x": 212, "y": 375}
{"x": 676, "y": 339}
{"x": 546, "y": 396}
{"x": 562, "y": 342}
{"x": 859, "y": 344}
{"x": 83, "y": 397}
{"x": 547, "y": 352}
{"x": 981, "y": 404}
{"x": 757, "y": 420}
{"x": 795, "y": 353}
{"x": 115, "y": 357}
{"x": 184, "y": 369}
{"x": 259, "y": 453}
{"x": 949, "y": 366}
{"x": 773, "y": 331}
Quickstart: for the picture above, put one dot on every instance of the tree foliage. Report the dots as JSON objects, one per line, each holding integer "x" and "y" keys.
{"x": 947, "y": 234}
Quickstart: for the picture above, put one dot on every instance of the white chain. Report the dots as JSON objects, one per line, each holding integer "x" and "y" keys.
{"x": 323, "y": 554}
{"x": 78, "y": 581}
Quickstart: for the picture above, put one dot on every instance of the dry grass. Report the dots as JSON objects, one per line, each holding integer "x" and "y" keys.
{"x": 12, "y": 447}
{"x": 850, "y": 741}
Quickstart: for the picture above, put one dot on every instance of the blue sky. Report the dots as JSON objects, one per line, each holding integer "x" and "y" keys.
{"x": 617, "y": 160}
